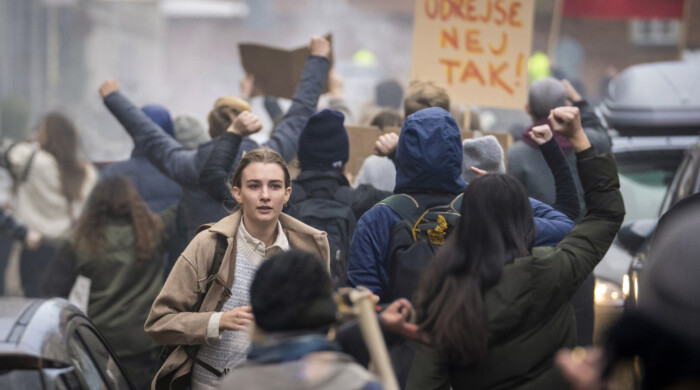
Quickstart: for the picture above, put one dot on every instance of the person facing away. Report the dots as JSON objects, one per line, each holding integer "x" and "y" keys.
{"x": 184, "y": 166}
{"x": 52, "y": 185}
{"x": 290, "y": 348}
{"x": 159, "y": 191}
{"x": 380, "y": 171}
{"x": 492, "y": 309}
{"x": 260, "y": 185}
{"x": 528, "y": 166}
{"x": 118, "y": 244}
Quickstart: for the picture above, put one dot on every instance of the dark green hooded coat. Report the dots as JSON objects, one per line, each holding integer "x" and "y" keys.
{"x": 528, "y": 311}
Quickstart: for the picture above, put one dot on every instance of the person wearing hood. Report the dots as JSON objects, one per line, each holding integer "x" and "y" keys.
{"x": 183, "y": 166}
{"x": 429, "y": 159}
{"x": 159, "y": 191}
{"x": 527, "y": 164}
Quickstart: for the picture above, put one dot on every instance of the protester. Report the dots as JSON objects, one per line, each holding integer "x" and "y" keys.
{"x": 380, "y": 171}
{"x": 322, "y": 196}
{"x": 290, "y": 348}
{"x": 118, "y": 244}
{"x": 260, "y": 185}
{"x": 528, "y": 166}
{"x": 189, "y": 131}
{"x": 662, "y": 336}
{"x": 158, "y": 190}
{"x": 18, "y": 231}
{"x": 184, "y": 166}
{"x": 52, "y": 184}
{"x": 493, "y": 309}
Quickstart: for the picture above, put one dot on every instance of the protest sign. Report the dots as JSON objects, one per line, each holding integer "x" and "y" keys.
{"x": 476, "y": 49}
{"x": 276, "y": 71}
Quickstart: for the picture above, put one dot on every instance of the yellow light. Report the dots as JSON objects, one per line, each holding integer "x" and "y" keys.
{"x": 636, "y": 288}
{"x": 625, "y": 285}
{"x": 599, "y": 292}
{"x": 614, "y": 295}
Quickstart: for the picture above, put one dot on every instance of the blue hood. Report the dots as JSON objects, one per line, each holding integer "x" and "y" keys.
{"x": 161, "y": 117}
{"x": 429, "y": 154}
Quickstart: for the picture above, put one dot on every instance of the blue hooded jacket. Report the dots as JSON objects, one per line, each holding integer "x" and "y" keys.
{"x": 429, "y": 168}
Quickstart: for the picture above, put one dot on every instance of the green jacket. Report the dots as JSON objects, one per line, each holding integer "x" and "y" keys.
{"x": 528, "y": 311}
{"x": 121, "y": 293}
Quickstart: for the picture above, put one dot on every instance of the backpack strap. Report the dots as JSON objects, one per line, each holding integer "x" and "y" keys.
{"x": 456, "y": 203}
{"x": 403, "y": 205}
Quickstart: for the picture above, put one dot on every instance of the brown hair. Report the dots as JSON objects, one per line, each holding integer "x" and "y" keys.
{"x": 225, "y": 111}
{"x": 115, "y": 198}
{"x": 261, "y": 155}
{"x": 387, "y": 117}
{"x": 60, "y": 139}
{"x": 422, "y": 95}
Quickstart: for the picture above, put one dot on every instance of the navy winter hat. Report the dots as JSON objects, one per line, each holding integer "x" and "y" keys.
{"x": 324, "y": 142}
{"x": 160, "y": 116}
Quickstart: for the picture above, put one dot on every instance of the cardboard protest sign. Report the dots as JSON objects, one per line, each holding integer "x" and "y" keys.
{"x": 476, "y": 49}
{"x": 276, "y": 71}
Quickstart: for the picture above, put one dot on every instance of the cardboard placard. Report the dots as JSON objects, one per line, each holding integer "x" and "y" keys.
{"x": 476, "y": 49}
{"x": 276, "y": 71}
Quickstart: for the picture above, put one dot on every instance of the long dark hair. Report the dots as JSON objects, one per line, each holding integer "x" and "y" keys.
{"x": 496, "y": 227}
{"x": 60, "y": 139}
{"x": 115, "y": 198}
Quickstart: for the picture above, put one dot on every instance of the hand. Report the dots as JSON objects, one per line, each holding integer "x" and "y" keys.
{"x": 567, "y": 122}
{"x": 32, "y": 240}
{"x": 108, "y": 87}
{"x": 386, "y": 144}
{"x": 581, "y": 367}
{"x": 478, "y": 171}
{"x": 236, "y": 319}
{"x": 245, "y": 124}
{"x": 396, "y": 318}
{"x": 335, "y": 84}
{"x": 320, "y": 46}
{"x": 541, "y": 134}
{"x": 247, "y": 85}
{"x": 571, "y": 92}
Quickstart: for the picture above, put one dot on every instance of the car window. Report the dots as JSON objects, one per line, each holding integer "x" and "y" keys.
{"x": 104, "y": 359}
{"x": 83, "y": 363}
{"x": 20, "y": 379}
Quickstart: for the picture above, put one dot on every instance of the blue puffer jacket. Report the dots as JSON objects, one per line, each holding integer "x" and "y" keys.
{"x": 429, "y": 168}
{"x": 159, "y": 191}
{"x": 183, "y": 166}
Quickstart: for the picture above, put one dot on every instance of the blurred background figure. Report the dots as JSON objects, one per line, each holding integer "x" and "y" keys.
{"x": 189, "y": 131}
{"x": 118, "y": 244}
{"x": 51, "y": 185}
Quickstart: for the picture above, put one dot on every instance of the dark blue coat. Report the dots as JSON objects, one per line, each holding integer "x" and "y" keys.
{"x": 429, "y": 168}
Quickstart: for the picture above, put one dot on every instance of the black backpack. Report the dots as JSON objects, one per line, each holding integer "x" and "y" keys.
{"x": 414, "y": 241}
{"x": 328, "y": 210}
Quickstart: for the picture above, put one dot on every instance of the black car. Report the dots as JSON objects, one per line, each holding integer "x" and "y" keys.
{"x": 51, "y": 344}
{"x": 637, "y": 241}
{"x": 653, "y": 111}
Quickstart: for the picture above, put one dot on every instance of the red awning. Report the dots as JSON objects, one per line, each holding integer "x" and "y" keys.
{"x": 624, "y": 9}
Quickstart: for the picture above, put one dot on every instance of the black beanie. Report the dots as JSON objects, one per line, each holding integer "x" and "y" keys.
{"x": 292, "y": 291}
{"x": 324, "y": 143}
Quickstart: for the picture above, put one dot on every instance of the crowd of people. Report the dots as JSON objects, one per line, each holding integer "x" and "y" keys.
{"x": 212, "y": 267}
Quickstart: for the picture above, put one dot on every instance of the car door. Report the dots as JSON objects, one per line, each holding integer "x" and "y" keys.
{"x": 96, "y": 364}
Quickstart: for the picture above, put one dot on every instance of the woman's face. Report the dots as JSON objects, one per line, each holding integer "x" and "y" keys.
{"x": 262, "y": 193}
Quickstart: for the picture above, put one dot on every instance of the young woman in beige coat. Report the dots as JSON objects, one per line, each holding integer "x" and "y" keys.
{"x": 257, "y": 230}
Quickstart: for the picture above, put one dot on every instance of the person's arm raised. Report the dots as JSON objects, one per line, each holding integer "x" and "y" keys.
{"x": 285, "y": 137}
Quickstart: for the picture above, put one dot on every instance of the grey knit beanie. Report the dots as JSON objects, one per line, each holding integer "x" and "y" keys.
{"x": 483, "y": 153}
{"x": 189, "y": 131}
{"x": 544, "y": 95}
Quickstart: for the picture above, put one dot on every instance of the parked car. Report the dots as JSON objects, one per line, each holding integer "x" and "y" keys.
{"x": 51, "y": 344}
{"x": 654, "y": 112}
{"x": 637, "y": 241}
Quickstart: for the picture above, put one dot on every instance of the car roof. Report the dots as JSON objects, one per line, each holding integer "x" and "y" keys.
{"x": 656, "y": 98}
{"x": 33, "y": 328}
{"x": 640, "y": 144}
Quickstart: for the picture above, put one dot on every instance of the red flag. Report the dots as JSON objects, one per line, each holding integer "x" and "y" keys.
{"x": 623, "y": 9}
